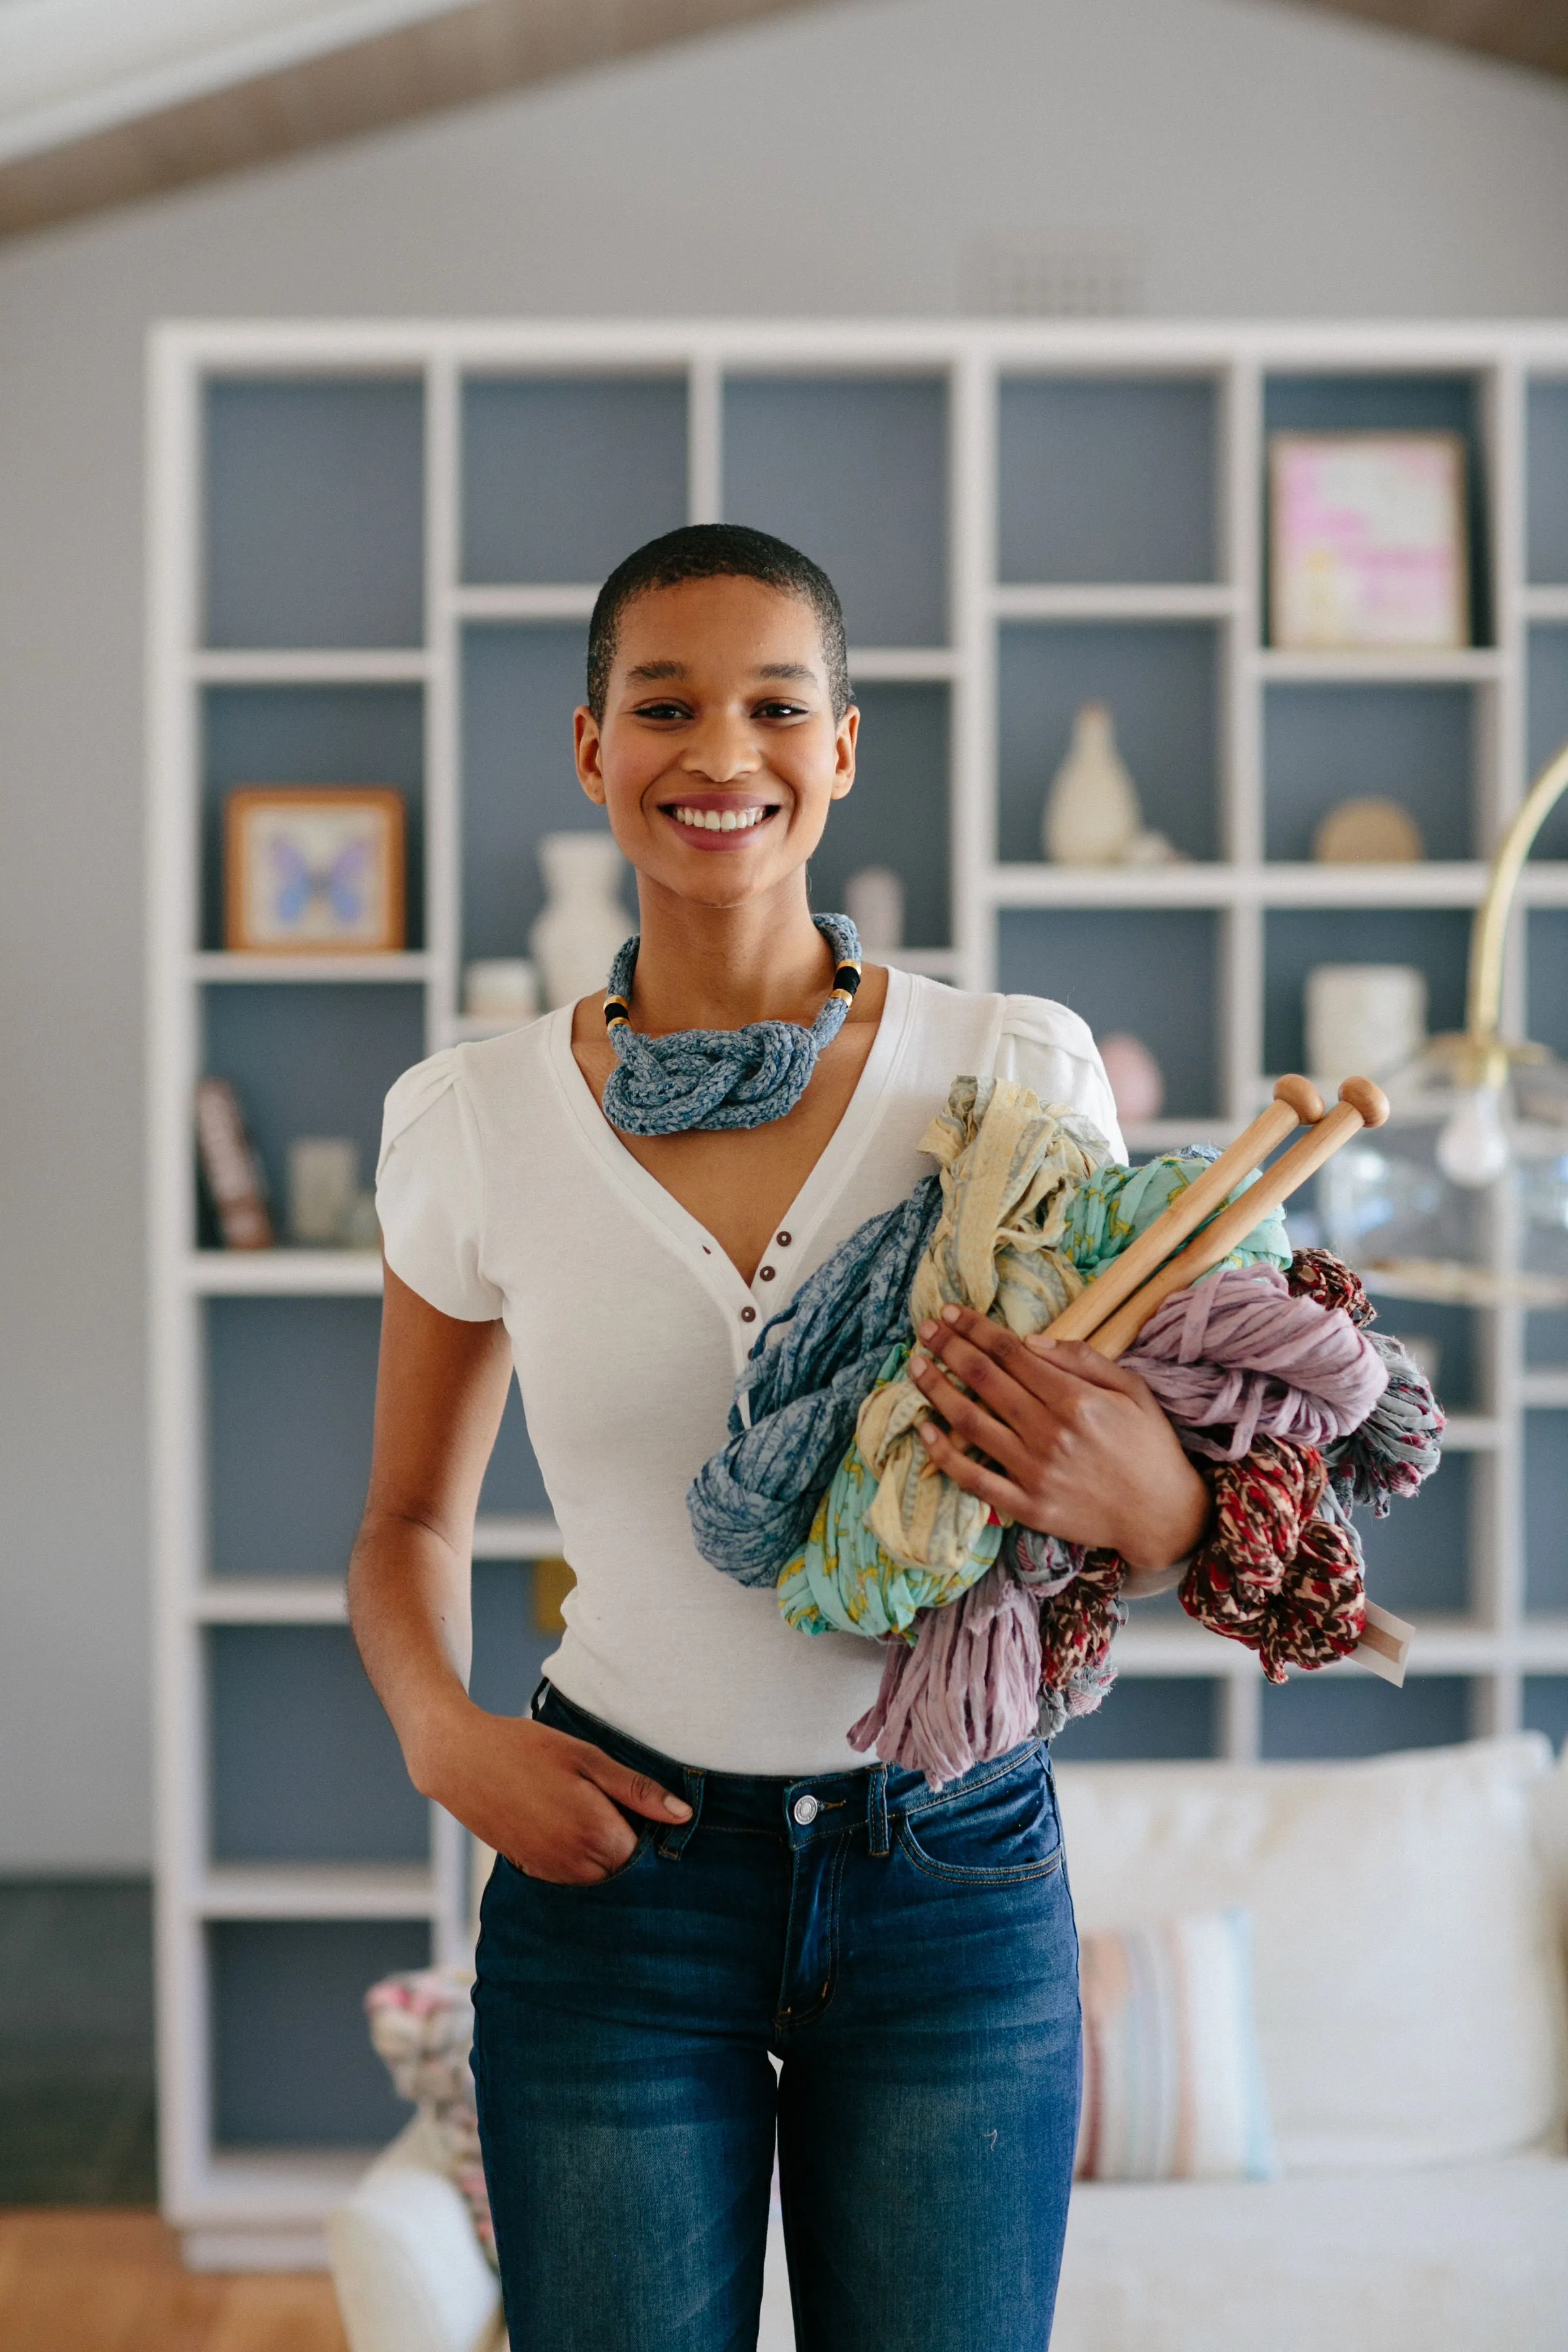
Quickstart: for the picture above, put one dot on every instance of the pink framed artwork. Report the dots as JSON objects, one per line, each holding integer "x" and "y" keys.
{"x": 1368, "y": 545}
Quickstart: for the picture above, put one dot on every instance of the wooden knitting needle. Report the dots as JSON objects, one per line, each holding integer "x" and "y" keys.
{"x": 1385, "y": 1645}
{"x": 1361, "y": 1104}
{"x": 1296, "y": 1100}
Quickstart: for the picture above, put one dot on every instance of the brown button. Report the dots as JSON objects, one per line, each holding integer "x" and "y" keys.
{"x": 748, "y": 1313}
{"x": 765, "y": 1273}
{"x": 783, "y": 1241}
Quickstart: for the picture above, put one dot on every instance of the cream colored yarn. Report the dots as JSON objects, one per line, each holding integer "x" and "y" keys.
{"x": 1010, "y": 1167}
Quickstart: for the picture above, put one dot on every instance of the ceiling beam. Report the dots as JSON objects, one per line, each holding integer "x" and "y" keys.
{"x": 467, "y": 53}
{"x": 1524, "y": 32}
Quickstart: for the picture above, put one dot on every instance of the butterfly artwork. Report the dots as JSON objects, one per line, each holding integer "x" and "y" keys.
{"x": 315, "y": 869}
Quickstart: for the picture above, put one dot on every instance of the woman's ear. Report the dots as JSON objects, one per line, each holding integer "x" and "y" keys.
{"x": 844, "y": 747}
{"x": 589, "y": 743}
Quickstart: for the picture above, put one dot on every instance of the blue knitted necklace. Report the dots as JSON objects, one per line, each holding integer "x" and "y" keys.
{"x": 720, "y": 1077}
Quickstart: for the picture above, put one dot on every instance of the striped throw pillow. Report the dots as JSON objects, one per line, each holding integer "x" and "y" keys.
{"x": 1172, "y": 2085}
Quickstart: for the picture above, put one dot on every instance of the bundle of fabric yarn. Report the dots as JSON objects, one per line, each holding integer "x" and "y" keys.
{"x": 1290, "y": 1407}
{"x": 422, "y": 2024}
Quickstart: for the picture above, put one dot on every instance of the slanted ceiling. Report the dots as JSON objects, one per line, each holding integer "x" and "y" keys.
{"x": 460, "y": 54}
{"x": 1524, "y": 32}
{"x": 474, "y": 51}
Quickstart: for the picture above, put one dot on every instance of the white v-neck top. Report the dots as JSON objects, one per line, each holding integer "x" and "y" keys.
{"x": 504, "y": 1191}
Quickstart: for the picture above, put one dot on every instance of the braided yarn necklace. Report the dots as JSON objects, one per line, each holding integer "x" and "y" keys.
{"x": 708, "y": 1078}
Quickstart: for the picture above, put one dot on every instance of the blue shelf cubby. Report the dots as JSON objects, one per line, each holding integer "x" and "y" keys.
{"x": 564, "y": 475}
{"x": 290, "y": 1397}
{"x": 897, "y": 813}
{"x": 1160, "y": 680}
{"x": 305, "y": 1767}
{"x": 1147, "y": 1718}
{"x": 1546, "y": 482}
{"x": 292, "y": 2064}
{"x": 286, "y": 734}
{"x": 1351, "y": 1714}
{"x": 1435, "y": 401}
{"x": 853, "y": 471}
{"x": 1411, "y": 744}
{"x": 520, "y": 683}
{"x": 1106, "y": 479}
{"x": 1154, "y": 973}
{"x": 1434, "y": 939}
{"x": 314, "y": 1057}
{"x": 314, "y": 513}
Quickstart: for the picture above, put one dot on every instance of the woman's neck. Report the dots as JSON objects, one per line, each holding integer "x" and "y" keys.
{"x": 723, "y": 967}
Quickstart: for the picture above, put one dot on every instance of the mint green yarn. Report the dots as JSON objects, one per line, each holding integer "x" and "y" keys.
{"x": 842, "y": 1580}
{"x": 1116, "y": 1204}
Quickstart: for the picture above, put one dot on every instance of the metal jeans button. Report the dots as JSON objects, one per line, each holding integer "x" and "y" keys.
{"x": 806, "y": 1808}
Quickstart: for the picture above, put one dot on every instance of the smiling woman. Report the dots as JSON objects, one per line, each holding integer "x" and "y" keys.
{"x": 698, "y": 1871}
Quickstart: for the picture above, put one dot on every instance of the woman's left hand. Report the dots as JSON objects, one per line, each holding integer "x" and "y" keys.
{"x": 1059, "y": 1438}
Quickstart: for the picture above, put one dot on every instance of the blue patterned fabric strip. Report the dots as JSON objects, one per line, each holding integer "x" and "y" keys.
{"x": 708, "y": 1079}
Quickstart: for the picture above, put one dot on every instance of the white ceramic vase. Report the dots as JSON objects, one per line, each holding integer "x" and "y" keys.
{"x": 1091, "y": 816}
{"x": 874, "y": 902}
{"x": 574, "y": 940}
{"x": 1364, "y": 1020}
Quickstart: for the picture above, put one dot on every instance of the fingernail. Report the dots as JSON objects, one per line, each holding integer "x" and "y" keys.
{"x": 928, "y": 1330}
{"x": 678, "y": 1807}
{"x": 950, "y": 1314}
{"x": 927, "y": 1430}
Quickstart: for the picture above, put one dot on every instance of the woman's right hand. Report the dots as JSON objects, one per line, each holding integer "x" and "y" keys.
{"x": 550, "y": 1803}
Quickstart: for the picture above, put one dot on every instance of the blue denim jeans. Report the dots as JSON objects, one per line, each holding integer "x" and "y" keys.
{"x": 910, "y": 1959}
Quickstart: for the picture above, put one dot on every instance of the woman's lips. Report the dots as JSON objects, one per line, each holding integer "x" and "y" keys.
{"x": 709, "y": 824}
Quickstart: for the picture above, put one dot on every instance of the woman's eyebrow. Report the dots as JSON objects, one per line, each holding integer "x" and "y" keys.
{"x": 659, "y": 669}
{"x": 787, "y": 669}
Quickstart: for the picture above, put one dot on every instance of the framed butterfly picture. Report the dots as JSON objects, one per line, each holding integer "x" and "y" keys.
{"x": 313, "y": 869}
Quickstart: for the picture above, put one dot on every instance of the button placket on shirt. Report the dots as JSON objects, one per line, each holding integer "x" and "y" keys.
{"x": 769, "y": 1273}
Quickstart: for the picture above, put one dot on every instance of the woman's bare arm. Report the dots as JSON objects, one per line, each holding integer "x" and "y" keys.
{"x": 547, "y": 1801}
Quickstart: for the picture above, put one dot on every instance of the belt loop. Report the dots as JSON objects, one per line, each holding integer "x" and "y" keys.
{"x": 670, "y": 1843}
{"x": 877, "y": 1811}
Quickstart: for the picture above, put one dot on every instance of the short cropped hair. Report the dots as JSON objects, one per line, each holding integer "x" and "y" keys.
{"x": 716, "y": 551}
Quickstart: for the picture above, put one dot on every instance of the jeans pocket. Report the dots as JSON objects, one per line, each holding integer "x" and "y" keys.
{"x": 589, "y": 1885}
{"x": 995, "y": 1828}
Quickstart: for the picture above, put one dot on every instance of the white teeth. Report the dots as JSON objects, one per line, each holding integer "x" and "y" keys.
{"x": 720, "y": 819}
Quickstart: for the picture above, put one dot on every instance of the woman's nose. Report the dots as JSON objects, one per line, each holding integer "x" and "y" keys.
{"x": 721, "y": 749}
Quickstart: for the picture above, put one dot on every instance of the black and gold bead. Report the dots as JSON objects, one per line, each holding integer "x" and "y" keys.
{"x": 846, "y": 981}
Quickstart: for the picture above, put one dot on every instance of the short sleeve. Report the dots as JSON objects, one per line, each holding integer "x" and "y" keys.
{"x": 1044, "y": 1046}
{"x": 428, "y": 1194}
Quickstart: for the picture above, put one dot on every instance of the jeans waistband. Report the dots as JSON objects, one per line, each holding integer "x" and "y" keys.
{"x": 802, "y": 1808}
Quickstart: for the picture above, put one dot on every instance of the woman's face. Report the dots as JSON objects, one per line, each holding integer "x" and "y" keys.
{"x": 719, "y": 755}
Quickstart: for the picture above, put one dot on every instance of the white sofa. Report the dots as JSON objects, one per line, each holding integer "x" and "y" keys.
{"x": 1410, "y": 1918}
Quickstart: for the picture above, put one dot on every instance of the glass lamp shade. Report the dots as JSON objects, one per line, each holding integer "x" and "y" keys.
{"x": 1462, "y": 1196}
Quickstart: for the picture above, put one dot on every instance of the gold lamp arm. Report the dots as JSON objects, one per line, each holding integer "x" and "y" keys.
{"x": 1483, "y": 1006}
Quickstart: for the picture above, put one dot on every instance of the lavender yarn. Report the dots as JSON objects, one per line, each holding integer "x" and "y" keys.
{"x": 1238, "y": 1354}
{"x": 795, "y": 1403}
{"x": 711, "y": 1078}
{"x": 968, "y": 1688}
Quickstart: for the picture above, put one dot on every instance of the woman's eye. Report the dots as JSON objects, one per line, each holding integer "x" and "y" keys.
{"x": 662, "y": 711}
{"x": 781, "y": 711}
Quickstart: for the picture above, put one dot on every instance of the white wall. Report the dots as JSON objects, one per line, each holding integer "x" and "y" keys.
{"x": 1266, "y": 161}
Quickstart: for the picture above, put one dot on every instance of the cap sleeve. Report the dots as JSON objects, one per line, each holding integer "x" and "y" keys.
{"x": 1044, "y": 1046}
{"x": 428, "y": 1192}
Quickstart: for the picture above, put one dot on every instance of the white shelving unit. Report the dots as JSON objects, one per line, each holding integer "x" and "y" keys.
{"x": 265, "y": 2202}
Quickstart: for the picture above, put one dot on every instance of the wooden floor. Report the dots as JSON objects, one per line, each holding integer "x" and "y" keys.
{"x": 111, "y": 2282}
